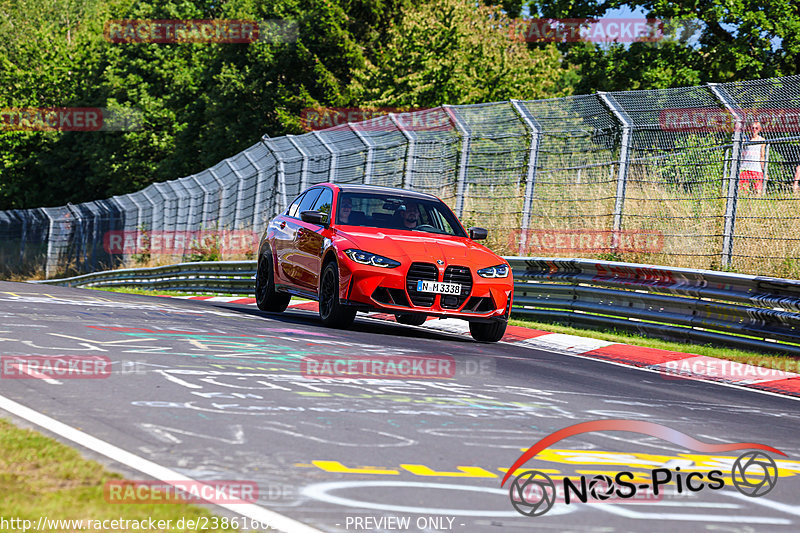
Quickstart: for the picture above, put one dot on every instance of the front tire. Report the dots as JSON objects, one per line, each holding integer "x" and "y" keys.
{"x": 331, "y": 311}
{"x": 267, "y": 298}
{"x": 410, "y": 319}
{"x": 488, "y": 332}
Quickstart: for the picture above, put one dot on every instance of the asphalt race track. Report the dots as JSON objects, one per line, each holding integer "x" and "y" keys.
{"x": 217, "y": 392}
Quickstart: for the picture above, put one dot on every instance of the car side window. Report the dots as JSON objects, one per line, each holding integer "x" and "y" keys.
{"x": 324, "y": 202}
{"x": 292, "y": 212}
{"x": 308, "y": 201}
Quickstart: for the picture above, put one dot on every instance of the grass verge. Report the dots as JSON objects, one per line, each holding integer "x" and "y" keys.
{"x": 776, "y": 361}
{"x": 146, "y": 292}
{"x": 41, "y": 477}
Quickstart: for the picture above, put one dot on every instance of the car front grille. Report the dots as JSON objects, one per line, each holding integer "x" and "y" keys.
{"x": 416, "y": 272}
{"x": 462, "y": 276}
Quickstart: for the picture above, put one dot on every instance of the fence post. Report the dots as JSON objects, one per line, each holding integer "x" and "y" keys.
{"x": 237, "y": 213}
{"x": 24, "y": 237}
{"x": 408, "y": 174}
{"x": 733, "y": 178}
{"x": 624, "y": 160}
{"x": 257, "y": 198}
{"x": 139, "y": 216}
{"x": 370, "y": 151}
{"x": 332, "y": 168}
{"x": 220, "y": 197}
{"x": 466, "y": 137}
{"x": 281, "y": 175}
{"x": 533, "y": 161}
{"x": 50, "y": 262}
{"x": 304, "y": 167}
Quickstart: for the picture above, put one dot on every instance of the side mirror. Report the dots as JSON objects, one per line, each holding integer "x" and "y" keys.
{"x": 477, "y": 234}
{"x": 314, "y": 217}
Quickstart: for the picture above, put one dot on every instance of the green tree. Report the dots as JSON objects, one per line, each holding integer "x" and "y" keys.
{"x": 200, "y": 102}
{"x": 450, "y": 52}
{"x": 736, "y": 41}
{"x": 48, "y": 58}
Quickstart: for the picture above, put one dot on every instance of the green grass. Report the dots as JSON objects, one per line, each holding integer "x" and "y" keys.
{"x": 40, "y": 477}
{"x": 149, "y": 292}
{"x": 780, "y": 362}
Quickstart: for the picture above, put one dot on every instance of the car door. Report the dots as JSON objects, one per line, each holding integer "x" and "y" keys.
{"x": 309, "y": 243}
{"x": 283, "y": 237}
{"x": 291, "y": 260}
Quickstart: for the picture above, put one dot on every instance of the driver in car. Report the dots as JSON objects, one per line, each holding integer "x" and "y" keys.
{"x": 345, "y": 209}
{"x": 410, "y": 216}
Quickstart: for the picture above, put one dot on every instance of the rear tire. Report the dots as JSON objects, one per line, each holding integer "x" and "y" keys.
{"x": 410, "y": 319}
{"x": 331, "y": 311}
{"x": 267, "y": 298}
{"x": 488, "y": 332}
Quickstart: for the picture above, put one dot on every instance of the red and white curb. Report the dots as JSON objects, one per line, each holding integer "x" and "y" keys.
{"x": 672, "y": 365}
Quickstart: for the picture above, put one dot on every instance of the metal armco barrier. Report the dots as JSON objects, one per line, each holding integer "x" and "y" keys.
{"x": 749, "y": 312}
{"x": 702, "y": 306}
{"x": 225, "y": 277}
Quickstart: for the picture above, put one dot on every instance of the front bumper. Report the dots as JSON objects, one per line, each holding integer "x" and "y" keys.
{"x": 393, "y": 290}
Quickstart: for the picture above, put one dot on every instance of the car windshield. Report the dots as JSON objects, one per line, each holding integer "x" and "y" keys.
{"x": 396, "y": 212}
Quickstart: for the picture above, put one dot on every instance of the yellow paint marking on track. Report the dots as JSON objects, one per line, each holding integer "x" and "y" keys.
{"x": 463, "y": 471}
{"x": 339, "y": 468}
{"x": 605, "y": 463}
{"x": 518, "y": 471}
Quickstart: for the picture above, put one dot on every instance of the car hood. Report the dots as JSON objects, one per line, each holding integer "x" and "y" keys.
{"x": 410, "y": 246}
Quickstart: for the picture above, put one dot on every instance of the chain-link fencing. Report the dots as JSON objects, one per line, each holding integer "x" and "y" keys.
{"x": 698, "y": 177}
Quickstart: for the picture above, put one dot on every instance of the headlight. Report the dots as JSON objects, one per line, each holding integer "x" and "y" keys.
{"x": 498, "y": 271}
{"x": 366, "y": 258}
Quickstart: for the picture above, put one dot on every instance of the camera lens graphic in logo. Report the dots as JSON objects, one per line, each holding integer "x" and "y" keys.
{"x": 754, "y": 474}
{"x": 532, "y": 493}
{"x": 601, "y": 487}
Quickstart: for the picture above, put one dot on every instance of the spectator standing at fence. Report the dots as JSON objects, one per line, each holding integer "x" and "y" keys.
{"x": 751, "y": 171}
{"x": 797, "y": 179}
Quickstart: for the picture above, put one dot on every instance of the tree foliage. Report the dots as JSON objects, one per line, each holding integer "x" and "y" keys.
{"x": 736, "y": 40}
{"x": 201, "y": 103}
{"x": 449, "y": 51}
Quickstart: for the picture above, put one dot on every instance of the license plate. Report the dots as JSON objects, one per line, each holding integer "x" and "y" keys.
{"x": 438, "y": 287}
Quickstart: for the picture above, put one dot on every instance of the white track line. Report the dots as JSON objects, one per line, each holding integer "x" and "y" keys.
{"x": 32, "y": 373}
{"x": 149, "y": 468}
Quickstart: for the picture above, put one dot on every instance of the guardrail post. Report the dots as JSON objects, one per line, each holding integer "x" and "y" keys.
{"x": 332, "y": 168}
{"x": 304, "y": 167}
{"x": 622, "y": 174}
{"x": 280, "y": 177}
{"x": 733, "y": 178}
{"x": 370, "y": 152}
{"x": 466, "y": 137}
{"x": 408, "y": 173}
{"x": 533, "y": 161}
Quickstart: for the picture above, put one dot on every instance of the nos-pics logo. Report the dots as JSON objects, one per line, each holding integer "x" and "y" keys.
{"x": 534, "y": 493}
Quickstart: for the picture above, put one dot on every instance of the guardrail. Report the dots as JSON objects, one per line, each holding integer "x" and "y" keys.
{"x": 702, "y": 306}
{"x": 225, "y": 277}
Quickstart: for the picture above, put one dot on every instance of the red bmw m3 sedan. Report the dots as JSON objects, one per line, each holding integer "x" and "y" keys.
{"x": 365, "y": 248}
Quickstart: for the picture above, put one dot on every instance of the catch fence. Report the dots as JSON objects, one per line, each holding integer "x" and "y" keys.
{"x": 651, "y": 176}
